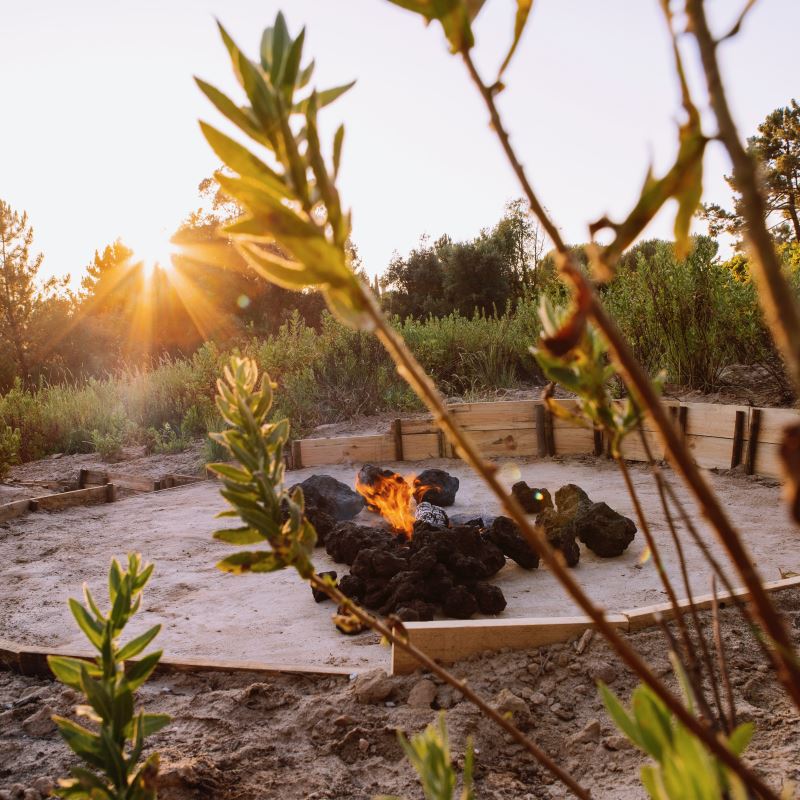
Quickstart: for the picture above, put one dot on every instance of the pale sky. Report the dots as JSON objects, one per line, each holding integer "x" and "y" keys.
{"x": 99, "y": 137}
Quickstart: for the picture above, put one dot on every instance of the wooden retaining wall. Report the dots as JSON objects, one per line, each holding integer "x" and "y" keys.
{"x": 719, "y": 436}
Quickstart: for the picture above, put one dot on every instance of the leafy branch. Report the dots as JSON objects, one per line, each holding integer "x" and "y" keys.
{"x": 113, "y": 752}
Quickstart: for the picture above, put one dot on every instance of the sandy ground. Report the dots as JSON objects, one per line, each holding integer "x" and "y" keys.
{"x": 272, "y": 618}
{"x": 251, "y": 737}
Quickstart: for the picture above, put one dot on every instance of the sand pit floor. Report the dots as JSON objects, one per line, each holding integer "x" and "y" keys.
{"x": 273, "y": 619}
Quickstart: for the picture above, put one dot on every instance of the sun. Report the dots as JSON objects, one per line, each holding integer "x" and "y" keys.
{"x": 155, "y": 251}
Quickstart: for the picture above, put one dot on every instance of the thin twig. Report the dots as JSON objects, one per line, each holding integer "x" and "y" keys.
{"x": 428, "y": 663}
{"x": 409, "y": 368}
{"x": 638, "y": 380}
{"x": 693, "y": 671}
{"x": 737, "y": 26}
{"x": 705, "y": 655}
{"x": 723, "y": 663}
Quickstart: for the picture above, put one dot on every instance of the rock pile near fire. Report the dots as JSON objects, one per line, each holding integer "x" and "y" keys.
{"x": 440, "y": 569}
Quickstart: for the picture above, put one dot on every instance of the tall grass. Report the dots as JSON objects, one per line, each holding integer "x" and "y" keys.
{"x": 325, "y": 375}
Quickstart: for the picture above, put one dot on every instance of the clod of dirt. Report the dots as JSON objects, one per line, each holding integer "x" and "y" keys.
{"x": 373, "y": 687}
{"x": 431, "y": 514}
{"x": 532, "y": 500}
{"x": 422, "y": 694}
{"x": 604, "y": 531}
{"x": 318, "y": 595}
{"x": 505, "y": 534}
{"x": 435, "y": 486}
{"x": 39, "y": 723}
{"x": 341, "y": 502}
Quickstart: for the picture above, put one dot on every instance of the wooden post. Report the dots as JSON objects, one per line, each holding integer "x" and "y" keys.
{"x": 297, "y": 454}
{"x": 548, "y": 431}
{"x": 397, "y": 432}
{"x": 598, "y": 442}
{"x": 442, "y": 444}
{"x": 111, "y": 493}
{"x": 683, "y": 417}
{"x": 738, "y": 439}
{"x": 541, "y": 432}
{"x": 752, "y": 442}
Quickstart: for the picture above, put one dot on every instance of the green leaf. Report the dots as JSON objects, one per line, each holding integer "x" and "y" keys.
{"x": 87, "y": 623}
{"x": 324, "y": 98}
{"x": 135, "y": 646}
{"x": 338, "y": 139}
{"x": 241, "y": 160}
{"x": 138, "y": 672}
{"x": 305, "y": 75}
{"x": 292, "y": 65}
{"x": 81, "y": 741}
{"x": 239, "y": 536}
{"x": 239, "y": 117}
{"x": 280, "y": 40}
{"x": 740, "y": 737}
{"x": 232, "y": 473}
{"x": 97, "y": 695}
{"x": 621, "y": 719}
{"x": 251, "y": 561}
{"x": 521, "y": 18}
{"x": 152, "y": 723}
{"x": 68, "y": 670}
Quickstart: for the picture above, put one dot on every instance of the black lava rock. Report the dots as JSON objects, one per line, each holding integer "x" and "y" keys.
{"x": 435, "y": 486}
{"x": 532, "y": 500}
{"x": 490, "y": 598}
{"x": 346, "y": 539}
{"x": 318, "y": 511}
{"x": 559, "y": 531}
{"x": 372, "y": 476}
{"x": 341, "y": 502}
{"x": 318, "y": 594}
{"x": 505, "y": 534}
{"x": 571, "y": 500}
{"x": 352, "y": 587}
{"x": 460, "y": 603}
{"x": 604, "y": 531}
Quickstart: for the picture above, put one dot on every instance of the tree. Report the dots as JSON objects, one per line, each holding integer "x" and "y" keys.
{"x": 777, "y": 150}
{"x": 522, "y": 242}
{"x": 19, "y": 295}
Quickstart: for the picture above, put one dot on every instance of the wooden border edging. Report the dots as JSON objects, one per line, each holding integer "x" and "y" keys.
{"x": 452, "y": 640}
{"x": 27, "y": 660}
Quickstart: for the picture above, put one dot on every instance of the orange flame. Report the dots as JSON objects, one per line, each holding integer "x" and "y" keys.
{"x": 393, "y": 498}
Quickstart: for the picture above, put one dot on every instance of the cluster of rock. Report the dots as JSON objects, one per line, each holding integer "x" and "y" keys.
{"x": 445, "y": 567}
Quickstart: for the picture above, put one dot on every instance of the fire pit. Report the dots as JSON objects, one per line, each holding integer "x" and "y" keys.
{"x": 419, "y": 564}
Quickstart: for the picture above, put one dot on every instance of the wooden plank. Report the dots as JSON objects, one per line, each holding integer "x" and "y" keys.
{"x": 710, "y": 452}
{"x": 174, "y": 479}
{"x": 712, "y": 419}
{"x": 92, "y": 477}
{"x": 346, "y": 449}
{"x": 133, "y": 482}
{"x": 418, "y": 426}
{"x": 572, "y": 440}
{"x": 633, "y": 449}
{"x": 33, "y": 661}
{"x": 496, "y": 415}
{"x": 500, "y": 443}
{"x": 768, "y": 460}
{"x": 80, "y": 497}
{"x": 14, "y": 509}
{"x": 421, "y": 446}
{"x": 774, "y": 421}
{"x": 452, "y": 640}
{"x": 646, "y": 616}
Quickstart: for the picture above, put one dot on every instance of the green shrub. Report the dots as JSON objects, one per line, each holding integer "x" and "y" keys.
{"x": 10, "y": 441}
{"x": 113, "y": 747}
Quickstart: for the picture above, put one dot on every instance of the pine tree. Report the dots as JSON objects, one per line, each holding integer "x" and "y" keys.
{"x": 19, "y": 296}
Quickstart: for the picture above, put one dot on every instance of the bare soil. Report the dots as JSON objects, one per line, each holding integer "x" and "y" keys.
{"x": 253, "y": 737}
